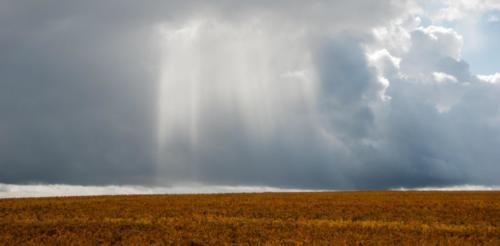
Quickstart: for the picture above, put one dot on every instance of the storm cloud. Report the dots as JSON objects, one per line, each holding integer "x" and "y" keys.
{"x": 294, "y": 94}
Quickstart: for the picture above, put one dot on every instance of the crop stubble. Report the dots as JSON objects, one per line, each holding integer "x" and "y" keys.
{"x": 352, "y": 218}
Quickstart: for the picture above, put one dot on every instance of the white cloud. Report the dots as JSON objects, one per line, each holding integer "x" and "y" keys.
{"x": 429, "y": 47}
{"x": 61, "y": 190}
{"x": 56, "y": 190}
{"x": 492, "y": 78}
{"x": 395, "y": 37}
{"x": 453, "y": 188}
{"x": 384, "y": 61}
{"x": 444, "y": 41}
{"x": 444, "y": 77}
{"x": 458, "y": 9}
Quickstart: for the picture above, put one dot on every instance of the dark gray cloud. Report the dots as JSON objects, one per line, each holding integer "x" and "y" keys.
{"x": 75, "y": 97}
{"x": 238, "y": 93}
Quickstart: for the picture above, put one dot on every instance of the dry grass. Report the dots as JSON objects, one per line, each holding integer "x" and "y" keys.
{"x": 350, "y": 218}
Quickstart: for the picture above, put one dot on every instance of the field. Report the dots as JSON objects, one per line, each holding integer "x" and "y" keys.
{"x": 350, "y": 218}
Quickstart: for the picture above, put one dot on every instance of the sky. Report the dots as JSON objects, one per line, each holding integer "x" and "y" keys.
{"x": 347, "y": 94}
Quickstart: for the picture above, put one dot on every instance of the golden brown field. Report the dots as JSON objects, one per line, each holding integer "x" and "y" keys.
{"x": 351, "y": 218}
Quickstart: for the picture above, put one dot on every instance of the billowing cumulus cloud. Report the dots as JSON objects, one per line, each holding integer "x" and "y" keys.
{"x": 330, "y": 94}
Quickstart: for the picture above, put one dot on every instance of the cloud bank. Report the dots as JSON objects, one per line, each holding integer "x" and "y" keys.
{"x": 286, "y": 94}
{"x": 58, "y": 190}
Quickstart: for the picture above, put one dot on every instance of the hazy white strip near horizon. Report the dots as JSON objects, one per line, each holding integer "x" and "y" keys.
{"x": 62, "y": 190}
{"x": 453, "y": 188}
{"x": 57, "y": 190}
